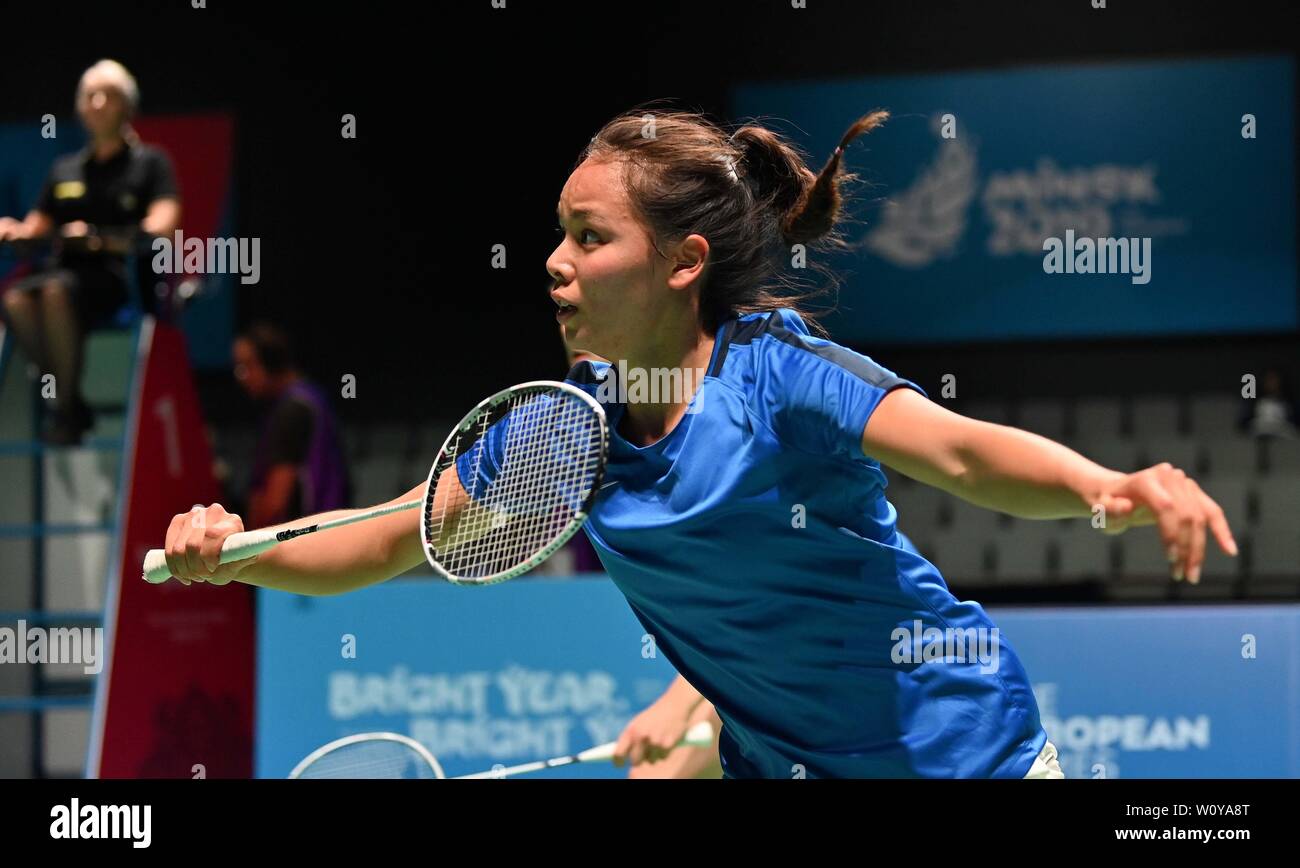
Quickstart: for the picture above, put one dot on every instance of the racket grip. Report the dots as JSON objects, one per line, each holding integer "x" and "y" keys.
{"x": 236, "y": 547}
{"x": 699, "y": 735}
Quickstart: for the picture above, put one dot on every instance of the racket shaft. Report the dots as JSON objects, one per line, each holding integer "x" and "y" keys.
{"x": 699, "y": 735}
{"x": 525, "y": 768}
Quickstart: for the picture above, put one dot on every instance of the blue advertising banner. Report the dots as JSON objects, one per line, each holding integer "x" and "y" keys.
{"x": 481, "y": 676}
{"x": 1165, "y": 192}
{"x": 1147, "y": 692}
{"x": 534, "y": 669}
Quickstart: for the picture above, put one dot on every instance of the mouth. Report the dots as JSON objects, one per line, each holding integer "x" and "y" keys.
{"x": 565, "y": 309}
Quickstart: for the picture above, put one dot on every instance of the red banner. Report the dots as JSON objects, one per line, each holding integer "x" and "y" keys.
{"x": 175, "y": 698}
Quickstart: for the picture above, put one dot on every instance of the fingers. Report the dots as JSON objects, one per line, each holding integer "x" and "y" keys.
{"x": 1195, "y": 527}
{"x": 194, "y": 565}
{"x": 1218, "y": 522}
{"x": 193, "y": 547}
{"x": 1153, "y": 486}
{"x": 175, "y": 546}
{"x": 218, "y": 523}
{"x": 1178, "y": 520}
{"x": 637, "y": 748}
{"x": 227, "y": 573}
{"x": 1184, "y": 513}
{"x": 621, "y": 748}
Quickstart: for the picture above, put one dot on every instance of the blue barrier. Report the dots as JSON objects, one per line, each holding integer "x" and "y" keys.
{"x": 537, "y": 668}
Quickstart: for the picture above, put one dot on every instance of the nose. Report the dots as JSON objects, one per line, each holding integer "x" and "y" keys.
{"x": 559, "y": 270}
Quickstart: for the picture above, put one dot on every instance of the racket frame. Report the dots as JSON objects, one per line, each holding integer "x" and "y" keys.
{"x": 467, "y": 423}
{"x": 338, "y": 743}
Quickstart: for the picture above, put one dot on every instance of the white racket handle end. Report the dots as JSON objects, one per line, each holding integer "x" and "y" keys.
{"x": 700, "y": 735}
{"x": 236, "y": 547}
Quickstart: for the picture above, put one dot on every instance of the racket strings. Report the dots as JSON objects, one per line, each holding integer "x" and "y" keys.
{"x": 370, "y": 759}
{"x": 546, "y": 449}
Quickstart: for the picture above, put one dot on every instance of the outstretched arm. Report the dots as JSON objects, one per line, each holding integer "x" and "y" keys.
{"x": 330, "y": 562}
{"x": 1026, "y": 475}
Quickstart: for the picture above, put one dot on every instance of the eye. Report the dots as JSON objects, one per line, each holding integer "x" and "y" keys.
{"x": 582, "y": 238}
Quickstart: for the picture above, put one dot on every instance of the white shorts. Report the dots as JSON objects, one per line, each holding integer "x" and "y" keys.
{"x": 1045, "y": 766}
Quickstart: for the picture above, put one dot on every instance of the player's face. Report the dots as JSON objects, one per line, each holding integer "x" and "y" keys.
{"x": 606, "y": 266}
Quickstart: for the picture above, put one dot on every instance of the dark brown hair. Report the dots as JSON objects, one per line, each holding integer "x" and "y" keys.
{"x": 751, "y": 194}
{"x": 272, "y": 345}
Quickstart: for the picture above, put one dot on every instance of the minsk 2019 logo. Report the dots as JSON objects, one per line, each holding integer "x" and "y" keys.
{"x": 1023, "y": 207}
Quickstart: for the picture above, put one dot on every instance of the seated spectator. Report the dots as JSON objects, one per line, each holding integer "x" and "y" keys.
{"x": 92, "y": 204}
{"x": 1273, "y": 413}
{"x": 299, "y": 467}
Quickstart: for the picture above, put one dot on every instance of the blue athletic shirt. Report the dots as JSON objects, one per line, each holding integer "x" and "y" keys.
{"x": 755, "y": 544}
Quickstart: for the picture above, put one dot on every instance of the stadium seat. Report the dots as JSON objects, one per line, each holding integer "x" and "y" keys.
{"x": 1282, "y": 457}
{"x": 391, "y": 439}
{"x": 960, "y": 557}
{"x": 1042, "y": 416}
{"x": 1275, "y": 550}
{"x": 1155, "y": 416}
{"x": 1098, "y": 419}
{"x": 1085, "y": 552}
{"x": 1022, "y": 551}
{"x": 1142, "y": 555}
{"x": 1231, "y": 456}
{"x": 1279, "y": 501}
{"x": 380, "y": 478}
{"x": 975, "y": 521}
{"x": 1214, "y": 415}
{"x": 1115, "y": 453}
{"x": 1233, "y": 495}
{"x": 987, "y": 411}
{"x": 1183, "y": 453}
{"x": 917, "y": 505}
{"x": 1220, "y": 567}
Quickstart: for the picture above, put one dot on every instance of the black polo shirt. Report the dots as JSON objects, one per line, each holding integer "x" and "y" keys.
{"x": 116, "y": 192}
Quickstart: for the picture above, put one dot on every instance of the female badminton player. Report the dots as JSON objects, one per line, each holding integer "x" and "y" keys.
{"x": 746, "y": 519}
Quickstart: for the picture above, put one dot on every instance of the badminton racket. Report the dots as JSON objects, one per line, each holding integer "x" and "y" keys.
{"x": 513, "y": 481}
{"x": 390, "y": 755}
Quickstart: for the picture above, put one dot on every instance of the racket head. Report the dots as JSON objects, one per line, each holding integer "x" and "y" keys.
{"x": 553, "y": 450}
{"x": 370, "y": 755}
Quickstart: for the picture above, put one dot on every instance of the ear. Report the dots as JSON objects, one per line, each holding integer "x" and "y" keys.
{"x": 688, "y": 258}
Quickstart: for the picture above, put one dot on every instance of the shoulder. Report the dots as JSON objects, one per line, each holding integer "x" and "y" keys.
{"x": 587, "y": 373}
{"x": 594, "y": 378}
{"x": 68, "y": 166}
{"x": 813, "y": 393}
{"x": 150, "y": 155}
{"x": 776, "y": 350}
{"x": 153, "y": 163}
{"x": 293, "y": 412}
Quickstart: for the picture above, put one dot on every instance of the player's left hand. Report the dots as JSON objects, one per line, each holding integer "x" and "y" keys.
{"x": 651, "y": 735}
{"x": 1170, "y": 499}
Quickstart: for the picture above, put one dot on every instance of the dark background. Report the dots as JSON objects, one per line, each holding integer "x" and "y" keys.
{"x": 376, "y": 251}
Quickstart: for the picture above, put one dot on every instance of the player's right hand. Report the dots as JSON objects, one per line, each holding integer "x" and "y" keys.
{"x": 194, "y": 546}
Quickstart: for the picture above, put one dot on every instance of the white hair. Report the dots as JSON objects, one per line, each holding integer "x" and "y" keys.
{"x": 122, "y": 80}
